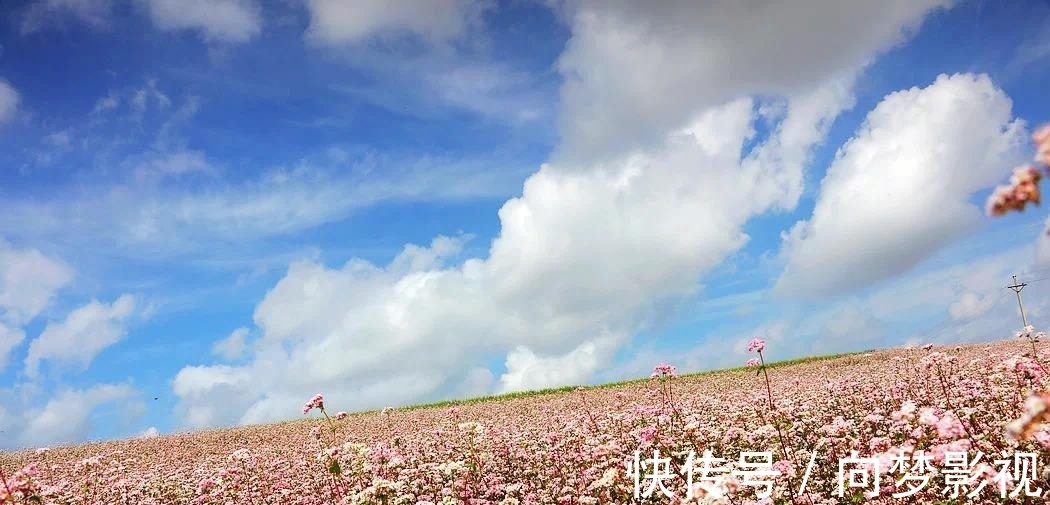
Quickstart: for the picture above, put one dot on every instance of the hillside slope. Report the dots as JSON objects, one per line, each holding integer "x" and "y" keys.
{"x": 574, "y": 446}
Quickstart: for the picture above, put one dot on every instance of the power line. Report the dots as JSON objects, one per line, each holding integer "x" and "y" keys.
{"x": 950, "y": 322}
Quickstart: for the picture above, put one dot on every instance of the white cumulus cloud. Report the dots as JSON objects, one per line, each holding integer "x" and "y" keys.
{"x": 29, "y": 281}
{"x": 84, "y": 333}
{"x": 585, "y": 257}
{"x": 900, "y": 189}
{"x": 66, "y": 417}
{"x": 601, "y": 241}
{"x": 233, "y": 346}
{"x": 705, "y": 53}
{"x": 971, "y": 305}
{"x": 150, "y": 432}
{"x": 526, "y": 370}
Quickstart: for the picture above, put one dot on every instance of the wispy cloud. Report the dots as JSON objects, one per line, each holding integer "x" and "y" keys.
{"x": 225, "y": 21}
{"x": 336, "y": 23}
{"x": 144, "y": 192}
{"x": 229, "y": 21}
{"x": 40, "y": 14}
{"x": 9, "y": 99}
{"x": 1035, "y": 50}
{"x": 490, "y": 89}
{"x": 134, "y": 219}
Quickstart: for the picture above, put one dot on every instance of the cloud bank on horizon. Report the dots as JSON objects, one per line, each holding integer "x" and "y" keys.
{"x": 212, "y": 213}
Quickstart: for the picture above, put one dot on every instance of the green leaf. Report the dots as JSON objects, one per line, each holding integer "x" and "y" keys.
{"x": 334, "y": 468}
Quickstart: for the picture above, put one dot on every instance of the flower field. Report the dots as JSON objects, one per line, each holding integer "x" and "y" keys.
{"x": 931, "y": 424}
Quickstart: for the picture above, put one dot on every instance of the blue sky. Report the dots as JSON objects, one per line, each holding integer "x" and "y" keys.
{"x": 210, "y": 211}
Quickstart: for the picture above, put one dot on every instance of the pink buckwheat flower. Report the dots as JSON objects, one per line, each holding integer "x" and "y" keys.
{"x": 906, "y": 412}
{"x": 1043, "y": 438}
{"x": 1023, "y": 189}
{"x": 663, "y": 369}
{"x": 753, "y": 362}
{"x": 317, "y": 402}
{"x": 928, "y": 416}
{"x": 756, "y": 345}
{"x": 950, "y": 427}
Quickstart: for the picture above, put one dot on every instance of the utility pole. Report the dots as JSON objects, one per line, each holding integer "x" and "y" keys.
{"x": 1017, "y": 287}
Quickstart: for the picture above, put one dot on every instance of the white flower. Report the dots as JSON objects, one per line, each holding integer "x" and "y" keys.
{"x": 605, "y": 480}
{"x": 472, "y": 427}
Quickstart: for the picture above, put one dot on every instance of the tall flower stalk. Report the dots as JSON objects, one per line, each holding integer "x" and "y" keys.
{"x": 335, "y": 470}
{"x": 663, "y": 371}
{"x": 758, "y": 345}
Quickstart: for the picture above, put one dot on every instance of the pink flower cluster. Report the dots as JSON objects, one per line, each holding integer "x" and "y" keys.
{"x": 571, "y": 448}
{"x": 20, "y": 486}
{"x": 1024, "y": 185}
{"x": 753, "y": 362}
{"x": 663, "y": 369}
{"x": 1023, "y": 189}
{"x": 756, "y": 345}
{"x": 317, "y": 402}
